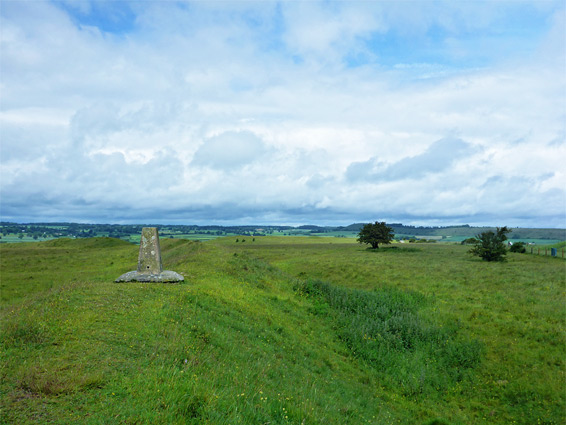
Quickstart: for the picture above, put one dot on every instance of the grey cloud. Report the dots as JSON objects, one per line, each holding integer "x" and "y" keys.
{"x": 318, "y": 181}
{"x": 28, "y": 142}
{"x": 230, "y": 150}
{"x": 491, "y": 181}
{"x": 558, "y": 141}
{"x": 70, "y": 182}
{"x": 366, "y": 170}
{"x": 104, "y": 118}
{"x": 160, "y": 173}
{"x": 437, "y": 158}
{"x": 515, "y": 184}
{"x": 522, "y": 198}
{"x": 521, "y": 140}
{"x": 96, "y": 119}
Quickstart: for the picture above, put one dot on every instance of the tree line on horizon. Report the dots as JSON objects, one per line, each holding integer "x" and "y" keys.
{"x": 85, "y": 230}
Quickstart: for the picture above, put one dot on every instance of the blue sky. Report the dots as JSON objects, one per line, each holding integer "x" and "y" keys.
{"x": 292, "y": 112}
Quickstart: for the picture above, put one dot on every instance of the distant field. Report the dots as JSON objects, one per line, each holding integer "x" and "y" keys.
{"x": 526, "y": 240}
{"x": 349, "y": 235}
{"x": 133, "y": 238}
{"x": 22, "y": 232}
{"x": 281, "y": 330}
{"x": 15, "y": 239}
{"x": 191, "y": 236}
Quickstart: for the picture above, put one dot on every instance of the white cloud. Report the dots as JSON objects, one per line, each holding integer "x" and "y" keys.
{"x": 437, "y": 158}
{"x": 289, "y": 111}
{"x": 229, "y": 150}
{"x": 328, "y": 32}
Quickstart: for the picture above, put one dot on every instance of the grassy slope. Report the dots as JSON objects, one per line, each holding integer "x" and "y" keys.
{"x": 237, "y": 344}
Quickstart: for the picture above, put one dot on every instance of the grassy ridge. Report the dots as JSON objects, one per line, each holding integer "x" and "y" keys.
{"x": 263, "y": 332}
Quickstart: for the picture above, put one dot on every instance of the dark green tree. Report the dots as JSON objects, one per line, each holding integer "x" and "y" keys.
{"x": 518, "y": 247}
{"x": 376, "y": 233}
{"x": 490, "y": 246}
{"x": 469, "y": 241}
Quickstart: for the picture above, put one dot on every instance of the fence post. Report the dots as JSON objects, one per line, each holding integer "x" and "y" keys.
{"x": 545, "y": 252}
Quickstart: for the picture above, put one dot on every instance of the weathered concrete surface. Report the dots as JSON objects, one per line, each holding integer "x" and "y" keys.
{"x": 149, "y": 259}
{"x": 165, "y": 276}
{"x": 150, "y": 268}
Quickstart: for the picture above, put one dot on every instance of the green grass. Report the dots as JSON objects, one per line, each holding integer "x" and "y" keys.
{"x": 283, "y": 331}
{"x": 35, "y": 267}
{"x": 385, "y": 329}
{"x": 12, "y": 238}
{"x": 558, "y": 245}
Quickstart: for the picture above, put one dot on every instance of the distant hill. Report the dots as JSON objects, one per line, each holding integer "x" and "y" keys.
{"x": 466, "y": 231}
{"x": 14, "y": 232}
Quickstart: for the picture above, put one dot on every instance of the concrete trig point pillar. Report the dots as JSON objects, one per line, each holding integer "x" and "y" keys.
{"x": 150, "y": 268}
{"x": 149, "y": 260}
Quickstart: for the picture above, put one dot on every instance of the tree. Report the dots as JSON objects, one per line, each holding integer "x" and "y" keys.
{"x": 490, "y": 246}
{"x": 518, "y": 247}
{"x": 469, "y": 241}
{"x": 376, "y": 233}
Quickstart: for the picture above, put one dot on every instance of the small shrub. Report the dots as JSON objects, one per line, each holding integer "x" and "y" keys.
{"x": 490, "y": 246}
{"x": 518, "y": 247}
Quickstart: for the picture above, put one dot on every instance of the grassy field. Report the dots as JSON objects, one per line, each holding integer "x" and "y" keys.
{"x": 13, "y": 238}
{"x": 188, "y": 236}
{"x": 290, "y": 330}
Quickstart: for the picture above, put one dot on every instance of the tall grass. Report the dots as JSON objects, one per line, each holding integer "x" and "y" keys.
{"x": 385, "y": 329}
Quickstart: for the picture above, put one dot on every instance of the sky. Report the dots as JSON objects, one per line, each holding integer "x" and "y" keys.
{"x": 283, "y": 112}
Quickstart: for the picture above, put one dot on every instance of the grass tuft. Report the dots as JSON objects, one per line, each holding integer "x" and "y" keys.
{"x": 23, "y": 333}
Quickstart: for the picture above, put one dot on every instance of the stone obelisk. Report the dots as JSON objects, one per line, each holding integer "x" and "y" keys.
{"x": 150, "y": 268}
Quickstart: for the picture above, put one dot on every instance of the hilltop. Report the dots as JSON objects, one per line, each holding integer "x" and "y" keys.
{"x": 290, "y": 330}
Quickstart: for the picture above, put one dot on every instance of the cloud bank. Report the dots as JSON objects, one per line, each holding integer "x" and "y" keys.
{"x": 283, "y": 112}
